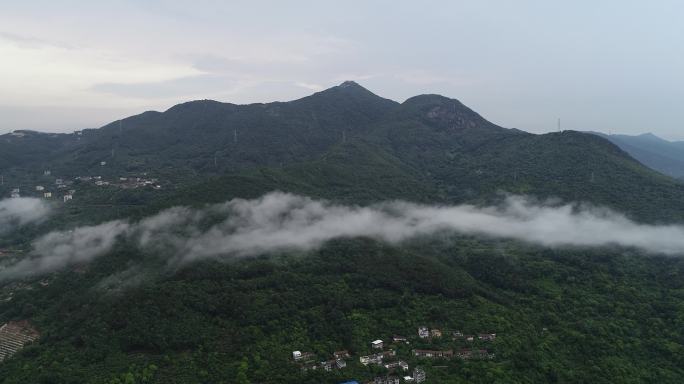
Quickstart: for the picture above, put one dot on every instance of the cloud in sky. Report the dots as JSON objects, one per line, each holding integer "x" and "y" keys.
{"x": 279, "y": 222}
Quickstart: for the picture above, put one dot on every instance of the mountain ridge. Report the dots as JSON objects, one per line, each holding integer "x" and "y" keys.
{"x": 434, "y": 140}
{"x": 657, "y": 153}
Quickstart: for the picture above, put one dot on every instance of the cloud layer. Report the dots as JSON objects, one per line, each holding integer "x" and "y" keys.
{"x": 21, "y": 211}
{"x": 279, "y": 222}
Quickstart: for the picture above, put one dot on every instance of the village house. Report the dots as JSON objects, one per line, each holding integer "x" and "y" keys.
{"x": 47, "y": 173}
{"x": 377, "y": 358}
{"x": 435, "y": 333}
{"x": 303, "y": 356}
{"x": 371, "y": 359}
{"x": 469, "y": 338}
{"x": 467, "y": 353}
{"x": 15, "y": 193}
{"x": 39, "y": 188}
{"x": 59, "y": 181}
{"x": 487, "y": 336}
{"x": 47, "y": 195}
{"x": 397, "y": 364}
{"x": 328, "y": 365}
{"x": 68, "y": 197}
{"x": 340, "y": 363}
{"x": 386, "y": 380}
{"x": 423, "y": 332}
{"x": 376, "y": 344}
{"x": 343, "y": 354}
{"x": 418, "y": 375}
{"x": 457, "y": 335}
{"x": 433, "y": 354}
{"x": 399, "y": 339}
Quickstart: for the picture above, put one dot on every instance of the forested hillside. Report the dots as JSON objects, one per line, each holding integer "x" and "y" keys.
{"x": 605, "y": 314}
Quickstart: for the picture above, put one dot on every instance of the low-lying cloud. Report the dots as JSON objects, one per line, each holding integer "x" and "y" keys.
{"x": 279, "y": 222}
{"x": 21, "y": 211}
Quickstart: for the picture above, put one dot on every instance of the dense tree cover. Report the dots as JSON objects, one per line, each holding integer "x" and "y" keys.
{"x": 611, "y": 315}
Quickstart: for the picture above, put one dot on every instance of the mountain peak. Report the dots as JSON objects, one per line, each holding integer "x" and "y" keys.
{"x": 350, "y": 92}
{"x": 349, "y": 84}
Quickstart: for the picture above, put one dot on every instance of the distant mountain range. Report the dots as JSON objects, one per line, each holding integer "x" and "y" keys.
{"x": 662, "y": 155}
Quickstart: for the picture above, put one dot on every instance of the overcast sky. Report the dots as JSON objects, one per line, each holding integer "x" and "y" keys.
{"x": 598, "y": 65}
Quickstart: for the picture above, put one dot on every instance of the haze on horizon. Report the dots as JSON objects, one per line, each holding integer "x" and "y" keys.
{"x": 606, "y": 66}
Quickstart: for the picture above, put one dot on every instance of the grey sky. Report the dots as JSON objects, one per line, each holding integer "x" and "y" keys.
{"x": 598, "y": 65}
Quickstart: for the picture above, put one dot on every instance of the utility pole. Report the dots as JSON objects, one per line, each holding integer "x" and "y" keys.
{"x": 559, "y": 128}
{"x": 235, "y": 135}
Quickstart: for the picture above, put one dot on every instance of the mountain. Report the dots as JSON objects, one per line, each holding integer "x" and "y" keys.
{"x": 560, "y": 314}
{"x": 664, "y": 156}
{"x": 429, "y": 140}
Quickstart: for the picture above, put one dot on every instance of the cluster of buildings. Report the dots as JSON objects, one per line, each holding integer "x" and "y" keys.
{"x": 463, "y": 353}
{"x": 458, "y": 335}
{"x": 307, "y": 361}
{"x": 122, "y": 182}
{"x": 69, "y": 195}
{"x": 418, "y": 376}
{"x": 427, "y": 333}
{"x": 385, "y": 355}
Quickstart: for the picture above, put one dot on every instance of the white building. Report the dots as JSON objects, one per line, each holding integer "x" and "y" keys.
{"x": 423, "y": 332}
{"x": 296, "y": 355}
{"x": 377, "y": 344}
{"x": 39, "y": 188}
{"x": 68, "y": 197}
{"x": 47, "y": 195}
